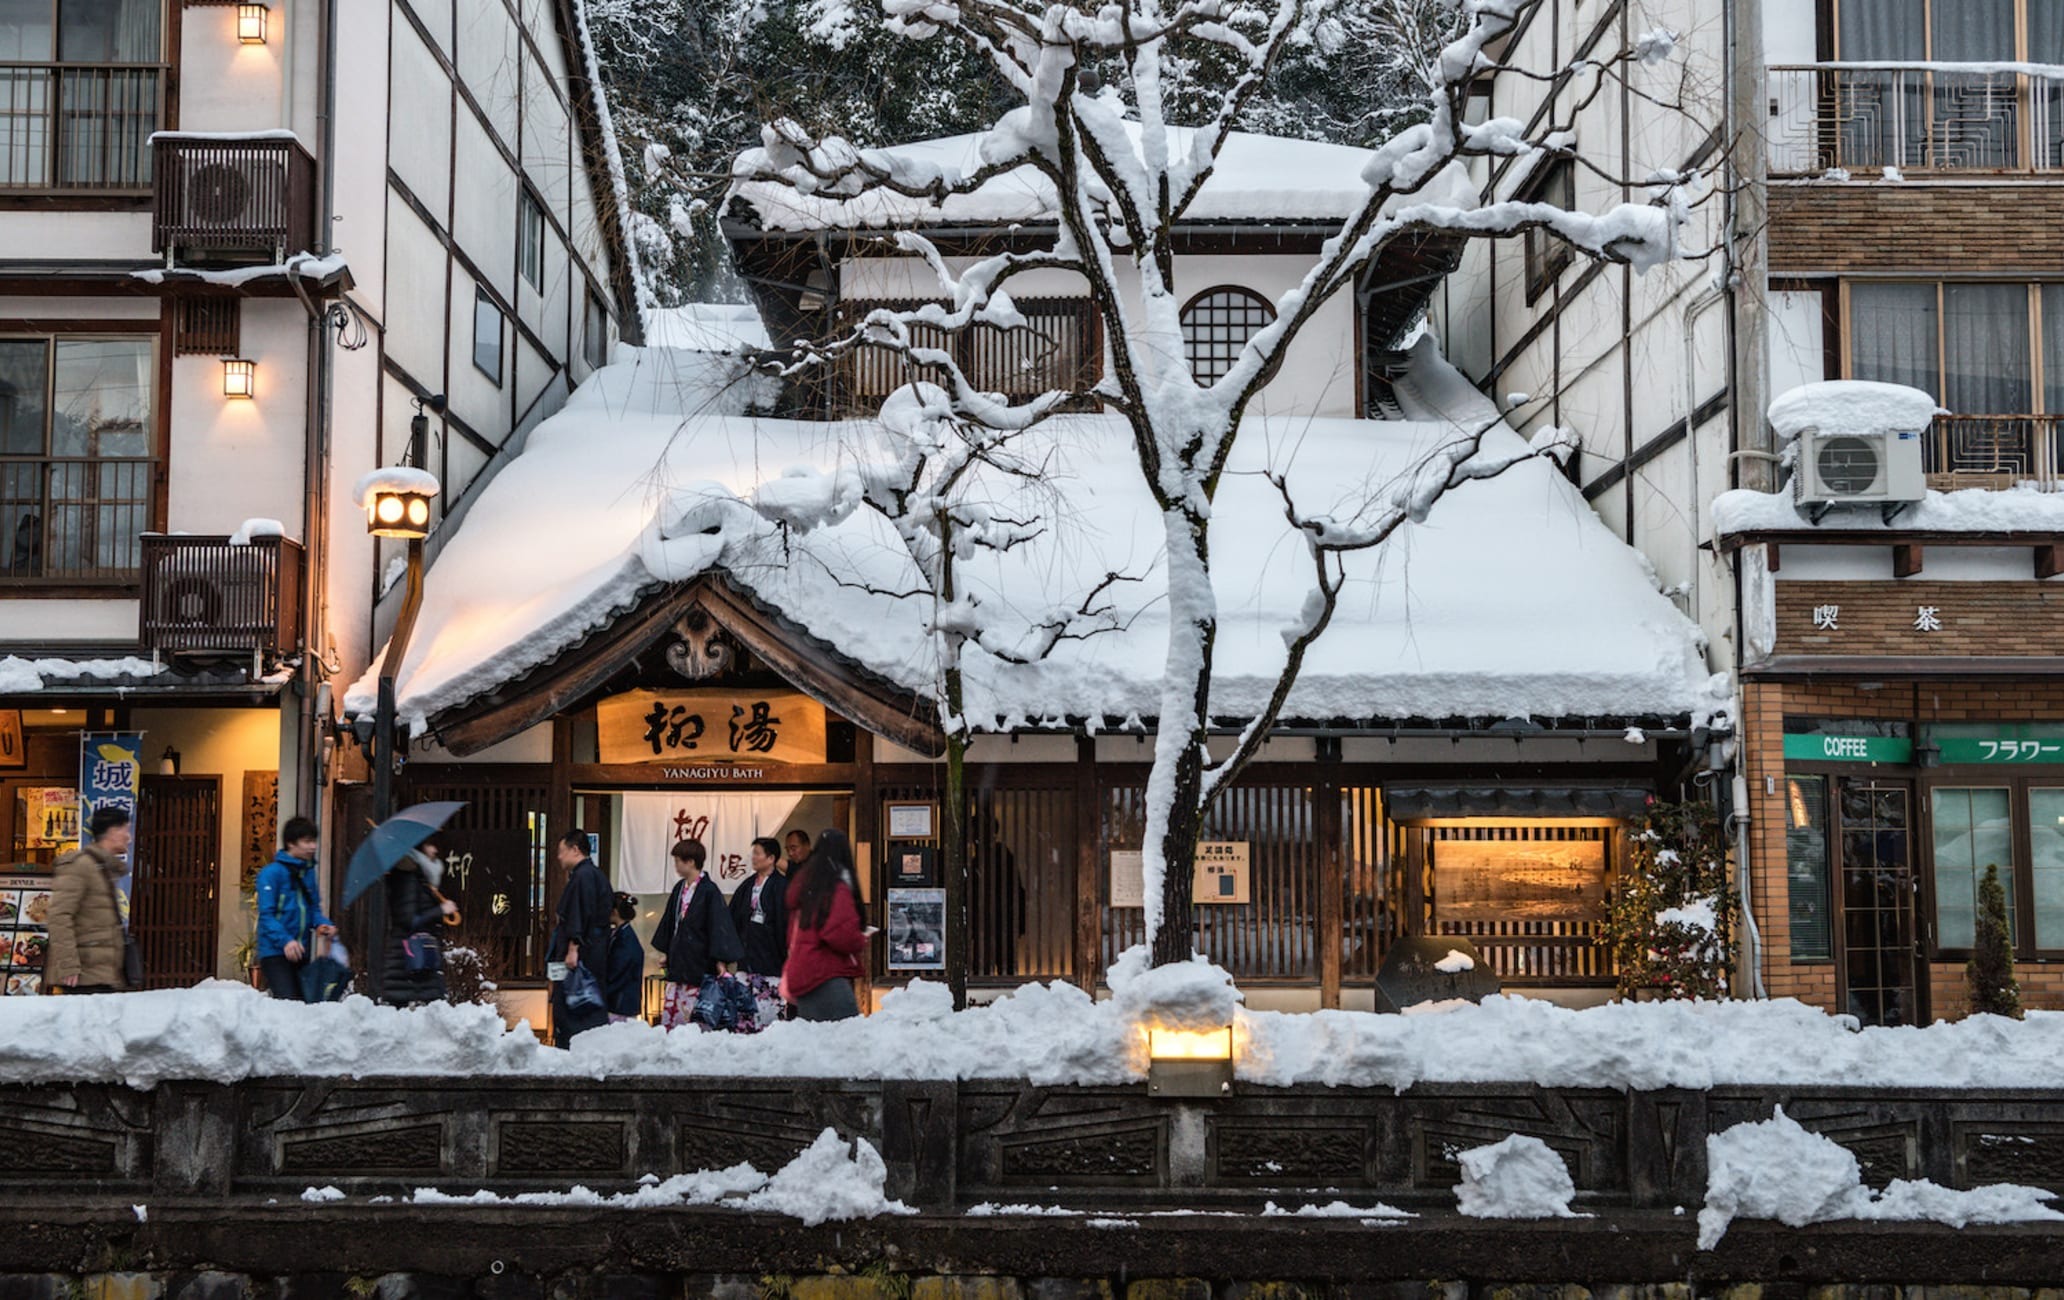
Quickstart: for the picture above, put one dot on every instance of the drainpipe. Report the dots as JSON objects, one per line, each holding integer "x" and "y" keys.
{"x": 1712, "y": 297}
{"x": 1738, "y": 821}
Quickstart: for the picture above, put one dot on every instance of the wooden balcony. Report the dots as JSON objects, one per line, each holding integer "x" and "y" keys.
{"x": 73, "y": 128}
{"x": 207, "y": 595}
{"x": 1994, "y": 451}
{"x": 238, "y": 198}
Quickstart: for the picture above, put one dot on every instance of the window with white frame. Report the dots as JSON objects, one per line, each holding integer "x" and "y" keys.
{"x": 530, "y": 240}
{"x": 1217, "y": 324}
{"x": 487, "y": 335}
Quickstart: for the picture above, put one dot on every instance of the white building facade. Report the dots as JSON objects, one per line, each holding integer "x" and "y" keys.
{"x": 241, "y": 246}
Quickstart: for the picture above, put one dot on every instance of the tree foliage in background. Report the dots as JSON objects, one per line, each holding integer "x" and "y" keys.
{"x": 691, "y": 82}
{"x": 1653, "y": 924}
{"x": 1990, "y": 973}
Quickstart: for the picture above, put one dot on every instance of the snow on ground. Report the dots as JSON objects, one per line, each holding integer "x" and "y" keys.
{"x": 1511, "y": 600}
{"x": 1777, "y": 1169}
{"x": 1045, "y": 1033}
{"x": 1518, "y": 1178}
{"x": 832, "y": 1180}
{"x": 1336, "y": 1210}
{"x": 1967, "y": 510}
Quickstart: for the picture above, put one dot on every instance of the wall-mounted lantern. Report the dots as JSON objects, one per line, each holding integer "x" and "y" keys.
{"x": 169, "y": 764}
{"x": 251, "y": 23}
{"x": 239, "y": 378}
{"x": 1189, "y": 1062}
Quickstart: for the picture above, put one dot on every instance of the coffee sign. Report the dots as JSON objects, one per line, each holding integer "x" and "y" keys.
{"x": 695, "y": 727}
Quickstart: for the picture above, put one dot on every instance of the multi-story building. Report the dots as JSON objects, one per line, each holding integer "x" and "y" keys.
{"x": 242, "y": 246}
{"x": 1884, "y": 207}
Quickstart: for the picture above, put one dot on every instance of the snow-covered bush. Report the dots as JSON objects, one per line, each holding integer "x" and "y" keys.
{"x": 468, "y": 980}
{"x": 1670, "y": 922}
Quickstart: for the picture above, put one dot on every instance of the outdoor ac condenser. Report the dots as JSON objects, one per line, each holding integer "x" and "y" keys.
{"x": 1881, "y": 467}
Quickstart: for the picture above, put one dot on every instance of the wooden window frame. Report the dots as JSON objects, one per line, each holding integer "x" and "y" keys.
{"x": 109, "y": 198}
{"x": 1547, "y": 254}
{"x": 1251, "y": 297}
{"x": 159, "y": 335}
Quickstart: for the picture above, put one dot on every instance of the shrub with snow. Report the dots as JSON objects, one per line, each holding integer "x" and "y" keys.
{"x": 1518, "y": 1178}
{"x": 1670, "y": 923}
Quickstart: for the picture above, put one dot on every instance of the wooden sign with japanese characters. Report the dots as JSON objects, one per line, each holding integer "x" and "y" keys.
{"x": 704, "y": 726}
{"x": 1918, "y": 617}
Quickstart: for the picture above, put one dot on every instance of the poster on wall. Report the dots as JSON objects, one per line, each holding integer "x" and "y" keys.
{"x": 48, "y": 816}
{"x": 1519, "y": 880}
{"x": 917, "y": 929}
{"x": 24, "y": 932}
{"x": 726, "y": 825}
{"x": 111, "y": 776}
{"x": 1219, "y": 875}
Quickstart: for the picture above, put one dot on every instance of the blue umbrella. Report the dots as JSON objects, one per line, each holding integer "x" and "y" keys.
{"x": 390, "y": 842}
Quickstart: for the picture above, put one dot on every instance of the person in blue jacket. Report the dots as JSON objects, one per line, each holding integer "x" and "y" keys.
{"x": 623, "y": 984}
{"x": 290, "y": 914}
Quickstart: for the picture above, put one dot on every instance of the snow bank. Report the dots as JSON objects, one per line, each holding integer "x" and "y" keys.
{"x": 1777, "y": 1169}
{"x": 705, "y": 327}
{"x": 1044, "y": 1033}
{"x": 830, "y": 1180}
{"x": 1850, "y": 406}
{"x": 1512, "y": 599}
{"x": 1968, "y": 510}
{"x": 1519, "y": 1178}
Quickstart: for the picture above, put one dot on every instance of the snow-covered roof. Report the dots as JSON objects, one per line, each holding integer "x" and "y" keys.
{"x": 705, "y": 327}
{"x": 1968, "y": 510}
{"x": 1257, "y": 178}
{"x": 19, "y": 675}
{"x": 1511, "y": 600}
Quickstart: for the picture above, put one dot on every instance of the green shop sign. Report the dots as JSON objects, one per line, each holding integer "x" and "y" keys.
{"x": 2005, "y": 744}
{"x": 1848, "y": 749}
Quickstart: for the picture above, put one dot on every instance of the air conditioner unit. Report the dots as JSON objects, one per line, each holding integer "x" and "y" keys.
{"x": 1882, "y": 467}
{"x": 215, "y": 195}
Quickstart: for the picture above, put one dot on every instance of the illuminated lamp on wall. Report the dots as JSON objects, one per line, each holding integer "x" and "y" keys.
{"x": 251, "y": 23}
{"x": 239, "y": 378}
{"x": 1189, "y": 1062}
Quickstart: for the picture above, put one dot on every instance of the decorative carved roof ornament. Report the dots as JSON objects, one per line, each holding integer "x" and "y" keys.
{"x": 701, "y": 650}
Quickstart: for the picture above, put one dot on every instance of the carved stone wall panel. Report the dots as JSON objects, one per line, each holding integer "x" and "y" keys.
{"x": 85, "y": 1136}
{"x": 2030, "y": 1152}
{"x": 1588, "y": 1130}
{"x": 1038, "y": 1137}
{"x": 347, "y": 1131}
{"x": 765, "y": 1123}
{"x": 532, "y": 1146}
{"x": 1292, "y": 1153}
{"x": 1888, "y": 1136}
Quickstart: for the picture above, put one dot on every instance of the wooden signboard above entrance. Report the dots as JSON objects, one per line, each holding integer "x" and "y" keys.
{"x": 701, "y": 726}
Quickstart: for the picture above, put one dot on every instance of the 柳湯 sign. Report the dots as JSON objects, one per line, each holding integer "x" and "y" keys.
{"x": 691, "y": 727}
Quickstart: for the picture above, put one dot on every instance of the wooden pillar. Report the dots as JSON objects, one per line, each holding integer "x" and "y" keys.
{"x": 1332, "y": 885}
{"x": 867, "y": 853}
{"x": 1089, "y": 911}
{"x": 1414, "y": 920}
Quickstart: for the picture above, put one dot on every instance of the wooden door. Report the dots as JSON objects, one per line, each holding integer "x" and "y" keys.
{"x": 1881, "y": 980}
{"x": 178, "y": 873}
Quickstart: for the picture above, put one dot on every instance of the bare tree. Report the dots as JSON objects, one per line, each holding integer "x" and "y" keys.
{"x": 1123, "y": 174}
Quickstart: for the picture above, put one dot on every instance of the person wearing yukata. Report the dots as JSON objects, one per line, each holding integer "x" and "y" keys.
{"x": 694, "y": 935}
{"x": 759, "y": 912}
{"x": 581, "y": 934}
{"x": 623, "y": 986}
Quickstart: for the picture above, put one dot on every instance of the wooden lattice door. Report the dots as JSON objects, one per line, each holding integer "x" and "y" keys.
{"x": 178, "y": 873}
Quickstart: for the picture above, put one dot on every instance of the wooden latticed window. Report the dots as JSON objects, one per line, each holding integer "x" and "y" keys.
{"x": 1217, "y": 324}
{"x": 207, "y": 327}
{"x": 1059, "y": 348}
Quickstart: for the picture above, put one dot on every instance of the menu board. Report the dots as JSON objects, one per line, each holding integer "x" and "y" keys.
{"x": 24, "y": 930}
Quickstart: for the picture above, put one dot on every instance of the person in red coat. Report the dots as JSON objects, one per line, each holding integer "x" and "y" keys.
{"x": 825, "y": 936}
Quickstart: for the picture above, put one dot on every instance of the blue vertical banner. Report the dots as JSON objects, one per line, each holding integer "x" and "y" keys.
{"x": 111, "y": 776}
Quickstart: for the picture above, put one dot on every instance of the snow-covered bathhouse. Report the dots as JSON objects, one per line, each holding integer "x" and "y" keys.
{"x": 815, "y": 262}
{"x": 238, "y": 244}
{"x": 1888, "y": 593}
{"x": 1503, "y": 688}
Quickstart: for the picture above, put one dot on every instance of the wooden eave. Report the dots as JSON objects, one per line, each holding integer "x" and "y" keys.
{"x": 811, "y": 666}
{"x": 111, "y": 279}
{"x": 1903, "y": 667}
{"x": 1909, "y": 546}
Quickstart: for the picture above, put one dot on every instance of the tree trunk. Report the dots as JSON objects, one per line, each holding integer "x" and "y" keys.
{"x": 953, "y": 856}
{"x": 1175, "y": 812}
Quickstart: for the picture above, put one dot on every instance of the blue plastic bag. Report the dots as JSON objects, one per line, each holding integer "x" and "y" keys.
{"x": 723, "y": 1002}
{"x": 583, "y": 991}
{"x": 323, "y": 980}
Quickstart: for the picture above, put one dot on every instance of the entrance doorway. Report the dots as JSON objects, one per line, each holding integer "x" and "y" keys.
{"x": 178, "y": 870}
{"x": 1879, "y": 959}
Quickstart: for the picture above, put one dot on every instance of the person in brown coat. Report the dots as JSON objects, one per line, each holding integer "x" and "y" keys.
{"x": 85, "y": 921}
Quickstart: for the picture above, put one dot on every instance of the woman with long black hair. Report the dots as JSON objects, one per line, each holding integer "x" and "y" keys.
{"x": 825, "y": 936}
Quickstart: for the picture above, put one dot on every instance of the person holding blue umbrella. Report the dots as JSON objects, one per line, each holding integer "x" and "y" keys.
{"x": 394, "y": 843}
{"x": 290, "y": 915}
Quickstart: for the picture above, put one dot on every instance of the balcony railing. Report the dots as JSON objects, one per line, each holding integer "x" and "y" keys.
{"x": 68, "y": 127}
{"x": 205, "y": 595}
{"x": 253, "y": 194}
{"x": 1994, "y": 451}
{"x": 1942, "y": 117}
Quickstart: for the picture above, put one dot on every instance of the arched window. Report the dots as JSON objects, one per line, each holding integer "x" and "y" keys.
{"x": 1217, "y": 324}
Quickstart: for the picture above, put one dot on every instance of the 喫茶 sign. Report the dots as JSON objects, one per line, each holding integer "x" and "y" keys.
{"x": 691, "y": 727}
{"x": 1220, "y": 875}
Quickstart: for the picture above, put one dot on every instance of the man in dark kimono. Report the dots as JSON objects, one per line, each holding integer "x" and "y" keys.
{"x": 582, "y": 934}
